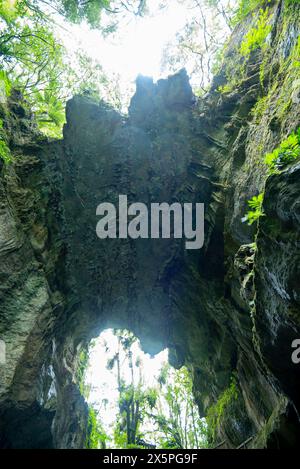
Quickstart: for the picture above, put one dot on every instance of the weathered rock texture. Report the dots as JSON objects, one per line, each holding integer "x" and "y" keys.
{"x": 229, "y": 309}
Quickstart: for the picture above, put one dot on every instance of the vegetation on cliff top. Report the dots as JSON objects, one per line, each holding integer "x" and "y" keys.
{"x": 36, "y": 60}
{"x": 256, "y": 36}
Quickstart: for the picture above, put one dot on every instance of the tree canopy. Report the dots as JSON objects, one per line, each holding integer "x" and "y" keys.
{"x": 35, "y": 60}
{"x": 151, "y": 413}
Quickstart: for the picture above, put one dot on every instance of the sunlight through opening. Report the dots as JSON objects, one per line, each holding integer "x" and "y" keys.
{"x": 169, "y": 37}
{"x": 136, "y": 400}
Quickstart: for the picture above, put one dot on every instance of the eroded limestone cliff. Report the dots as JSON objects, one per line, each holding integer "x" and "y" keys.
{"x": 228, "y": 310}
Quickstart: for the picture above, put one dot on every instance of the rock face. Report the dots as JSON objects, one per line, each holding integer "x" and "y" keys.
{"x": 228, "y": 310}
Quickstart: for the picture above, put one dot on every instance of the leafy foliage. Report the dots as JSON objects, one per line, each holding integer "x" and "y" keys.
{"x": 96, "y": 436}
{"x": 77, "y": 10}
{"x": 34, "y": 60}
{"x": 74, "y": 11}
{"x": 4, "y": 151}
{"x": 236, "y": 64}
{"x": 217, "y": 411}
{"x": 198, "y": 46}
{"x": 5, "y": 86}
{"x": 256, "y": 211}
{"x": 81, "y": 368}
{"x": 287, "y": 152}
{"x": 260, "y": 107}
{"x": 257, "y": 35}
{"x": 177, "y": 418}
{"x": 243, "y": 8}
{"x": 296, "y": 54}
{"x": 292, "y": 2}
{"x": 135, "y": 400}
{"x": 37, "y": 64}
{"x": 201, "y": 44}
{"x": 5, "y": 154}
{"x": 162, "y": 413}
{"x": 10, "y": 10}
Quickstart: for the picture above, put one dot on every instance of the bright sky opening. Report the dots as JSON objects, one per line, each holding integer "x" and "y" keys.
{"x": 136, "y": 47}
{"x": 103, "y": 394}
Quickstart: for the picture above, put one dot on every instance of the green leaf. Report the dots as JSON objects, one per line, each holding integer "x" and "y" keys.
{"x": 255, "y": 203}
{"x": 287, "y": 152}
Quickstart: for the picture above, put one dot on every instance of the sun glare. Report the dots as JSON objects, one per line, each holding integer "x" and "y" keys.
{"x": 137, "y": 46}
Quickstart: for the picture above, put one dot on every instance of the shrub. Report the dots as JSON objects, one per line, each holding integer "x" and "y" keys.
{"x": 96, "y": 436}
{"x": 256, "y": 36}
{"x": 5, "y": 85}
{"x": 4, "y": 151}
{"x": 287, "y": 152}
{"x": 244, "y": 8}
{"x": 256, "y": 211}
{"x": 296, "y": 54}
